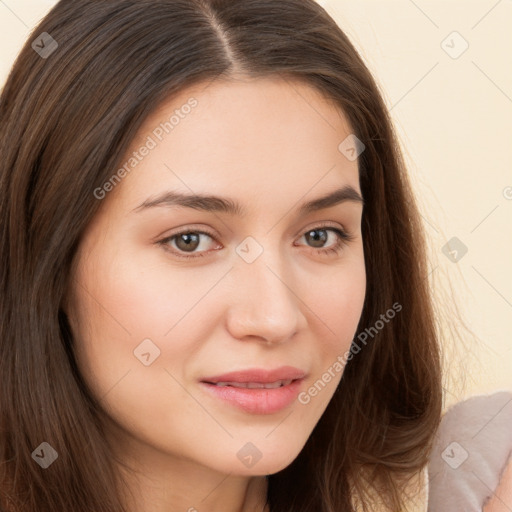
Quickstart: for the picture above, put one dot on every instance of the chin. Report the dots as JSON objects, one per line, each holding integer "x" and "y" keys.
{"x": 272, "y": 459}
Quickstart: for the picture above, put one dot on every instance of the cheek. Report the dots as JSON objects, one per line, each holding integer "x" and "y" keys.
{"x": 131, "y": 295}
{"x": 118, "y": 306}
{"x": 338, "y": 302}
{"x": 122, "y": 299}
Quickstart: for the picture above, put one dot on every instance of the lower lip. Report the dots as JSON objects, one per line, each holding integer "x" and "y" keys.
{"x": 257, "y": 400}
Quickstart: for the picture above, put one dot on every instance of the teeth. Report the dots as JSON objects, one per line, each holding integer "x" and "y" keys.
{"x": 255, "y": 385}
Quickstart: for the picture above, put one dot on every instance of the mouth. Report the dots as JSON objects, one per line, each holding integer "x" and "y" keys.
{"x": 254, "y": 385}
{"x": 258, "y": 398}
{"x": 258, "y": 376}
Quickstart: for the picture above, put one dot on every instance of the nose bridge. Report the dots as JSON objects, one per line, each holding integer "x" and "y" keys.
{"x": 263, "y": 304}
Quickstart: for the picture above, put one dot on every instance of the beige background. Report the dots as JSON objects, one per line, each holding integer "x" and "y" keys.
{"x": 453, "y": 115}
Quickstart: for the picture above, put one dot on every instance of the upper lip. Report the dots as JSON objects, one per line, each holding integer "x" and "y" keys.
{"x": 260, "y": 375}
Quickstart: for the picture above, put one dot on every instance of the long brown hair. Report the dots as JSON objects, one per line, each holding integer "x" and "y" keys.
{"x": 66, "y": 121}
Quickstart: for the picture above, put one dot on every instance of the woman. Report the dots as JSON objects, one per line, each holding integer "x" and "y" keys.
{"x": 199, "y": 197}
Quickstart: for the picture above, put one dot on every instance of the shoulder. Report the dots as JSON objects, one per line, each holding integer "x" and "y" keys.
{"x": 501, "y": 500}
{"x": 471, "y": 450}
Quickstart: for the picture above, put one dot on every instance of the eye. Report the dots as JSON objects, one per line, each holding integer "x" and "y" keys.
{"x": 188, "y": 241}
{"x": 340, "y": 240}
{"x": 185, "y": 242}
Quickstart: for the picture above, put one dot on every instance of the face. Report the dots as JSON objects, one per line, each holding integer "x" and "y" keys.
{"x": 168, "y": 294}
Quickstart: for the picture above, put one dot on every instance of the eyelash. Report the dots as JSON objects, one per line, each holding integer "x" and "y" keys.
{"x": 343, "y": 239}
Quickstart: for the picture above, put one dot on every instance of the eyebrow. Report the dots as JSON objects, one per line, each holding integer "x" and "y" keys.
{"x": 209, "y": 203}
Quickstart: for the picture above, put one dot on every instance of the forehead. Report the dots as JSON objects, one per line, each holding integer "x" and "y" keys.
{"x": 282, "y": 98}
{"x": 264, "y": 136}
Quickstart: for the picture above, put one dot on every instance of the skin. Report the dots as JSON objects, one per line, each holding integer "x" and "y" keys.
{"x": 271, "y": 145}
{"x": 501, "y": 500}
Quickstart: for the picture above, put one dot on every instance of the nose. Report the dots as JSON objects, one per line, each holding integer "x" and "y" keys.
{"x": 264, "y": 304}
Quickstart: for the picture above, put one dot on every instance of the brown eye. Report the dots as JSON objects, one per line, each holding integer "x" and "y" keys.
{"x": 318, "y": 237}
{"x": 317, "y": 240}
{"x": 186, "y": 242}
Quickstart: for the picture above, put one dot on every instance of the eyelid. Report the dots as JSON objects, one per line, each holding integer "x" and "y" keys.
{"x": 322, "y": 225}
{"x": 187, "y": 228}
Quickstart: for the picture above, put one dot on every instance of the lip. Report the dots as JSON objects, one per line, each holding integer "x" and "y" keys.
{"x": 260, "y": 375}
{"x": 257, "y": 400}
